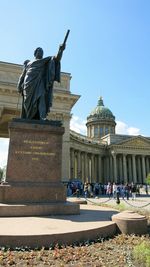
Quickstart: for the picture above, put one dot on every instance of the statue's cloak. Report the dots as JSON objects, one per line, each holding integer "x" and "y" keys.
{"x": 37, "y": 80}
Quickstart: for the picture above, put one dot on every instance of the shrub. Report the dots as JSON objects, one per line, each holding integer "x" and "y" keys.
{"x": 141, "y": 253}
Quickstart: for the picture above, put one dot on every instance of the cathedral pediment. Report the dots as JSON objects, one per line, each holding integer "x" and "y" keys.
{"x": 138, "y": 141}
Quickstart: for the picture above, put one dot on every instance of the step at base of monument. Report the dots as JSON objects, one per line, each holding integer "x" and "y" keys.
{"x": 93, "y": 222}
{"x": 38, "y": 209}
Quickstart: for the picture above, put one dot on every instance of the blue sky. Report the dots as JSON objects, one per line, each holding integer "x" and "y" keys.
{"x": 107, "y": 53}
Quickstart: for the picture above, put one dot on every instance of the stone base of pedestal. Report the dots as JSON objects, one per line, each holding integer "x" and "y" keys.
{"x": 29, "y": 192}
{"x": 77, "y": 200}
{"x": 38, "y": 209}
{"x": 129, "y": 222}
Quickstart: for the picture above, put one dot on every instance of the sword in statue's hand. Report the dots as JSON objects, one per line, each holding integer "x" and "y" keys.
{"x": 62, "y": 46}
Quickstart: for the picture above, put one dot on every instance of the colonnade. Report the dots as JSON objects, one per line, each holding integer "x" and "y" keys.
{"x": 85, "y": 166}
{"x": 130, "y": 167}
{"x": 114, "y": 167}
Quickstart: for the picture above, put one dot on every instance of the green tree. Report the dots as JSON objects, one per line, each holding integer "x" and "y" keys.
{"x": 147, "y": 180}
{"x": 1, "y": 173}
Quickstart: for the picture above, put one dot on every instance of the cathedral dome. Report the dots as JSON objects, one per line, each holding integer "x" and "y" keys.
{"x": 101, "y": 112}
{"x": 101, "y": 121}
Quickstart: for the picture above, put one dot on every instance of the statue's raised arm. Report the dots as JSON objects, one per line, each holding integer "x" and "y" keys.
{"x": 62, "y": 47}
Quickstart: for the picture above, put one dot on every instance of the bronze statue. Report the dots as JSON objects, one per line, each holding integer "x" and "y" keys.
{"x": 36, "y": 83}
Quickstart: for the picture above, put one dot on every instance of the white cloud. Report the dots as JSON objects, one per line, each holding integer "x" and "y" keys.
{"x": 78, "y": 125}
{"x": 123, "y": 128}
{"x": 4, "y": 142}
{"x": 133, "y": 131}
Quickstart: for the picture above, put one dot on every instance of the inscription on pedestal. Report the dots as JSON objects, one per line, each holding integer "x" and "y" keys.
{"x": 35, "y": 149}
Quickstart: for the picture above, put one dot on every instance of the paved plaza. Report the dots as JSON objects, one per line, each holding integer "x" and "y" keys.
{"x": 94, "y": 221}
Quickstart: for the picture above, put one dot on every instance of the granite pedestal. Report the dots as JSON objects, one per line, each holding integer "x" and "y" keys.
{"x": 33, "y": 177}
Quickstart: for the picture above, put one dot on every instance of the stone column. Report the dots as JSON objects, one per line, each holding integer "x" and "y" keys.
{"x": 120, "y": 168}
{"x": 72, "y": 163}
{"x": 88, "y": 131}
{"x": 100, "y": 169}
{"x": 79, "y": 164}
{"x": 96, "y": 169}
{"x": 86, "y": 167}
{"x": 89, "y": 162}
{"x": 75, "y": 165}
{"x": 143, "y": 168}
{"x": 139, "y": 179}
{"x": 115, "y": 167}
{"x": 104, "y": 170}
{"x": 83, "y": 167}
{"x": 92, "y": 169}
{"x": 107, "y": 169}
{"x": 66, "y": 148}
{"x": 111, "y": 168}
{"x": 98, "y": 131}
{"x": 134, "y": 169}
{"x": 124, "y": 168}
{"x": 147, "y": 165}
{"x": 130, "y": 169}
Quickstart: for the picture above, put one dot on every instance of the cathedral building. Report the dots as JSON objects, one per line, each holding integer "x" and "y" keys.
{"x": 102, "y": 155}
{"x": 105, "y": 156}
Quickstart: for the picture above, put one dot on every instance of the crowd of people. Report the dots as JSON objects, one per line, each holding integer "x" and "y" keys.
{"x": 112, "y": 190}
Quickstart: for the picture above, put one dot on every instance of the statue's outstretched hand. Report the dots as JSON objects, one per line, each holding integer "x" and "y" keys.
{"x": 62, "y": 47}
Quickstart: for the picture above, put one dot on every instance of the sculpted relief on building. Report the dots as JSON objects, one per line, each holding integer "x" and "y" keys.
{"x": 138, "y": 142}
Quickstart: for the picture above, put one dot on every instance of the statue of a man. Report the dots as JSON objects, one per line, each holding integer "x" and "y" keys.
{"x": 36, "y": 84}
